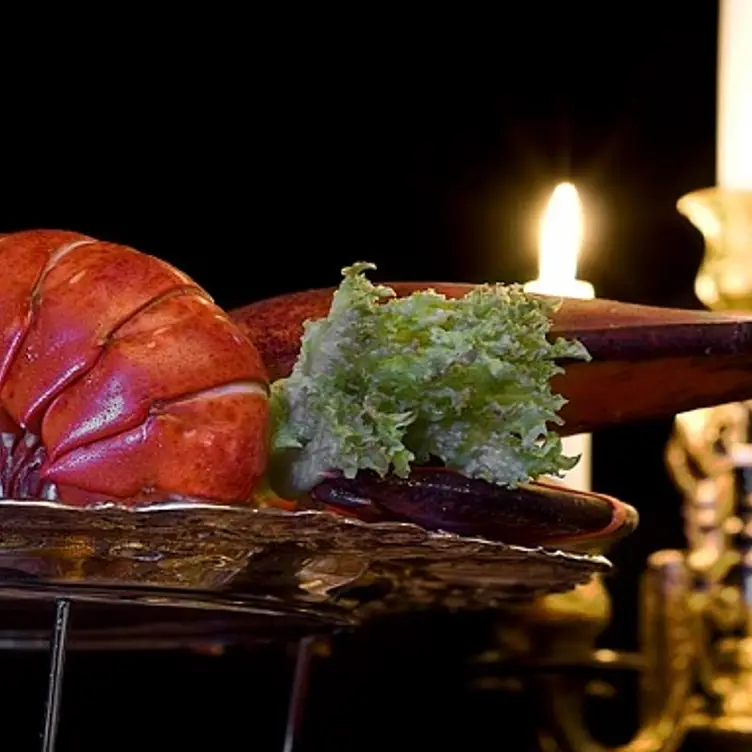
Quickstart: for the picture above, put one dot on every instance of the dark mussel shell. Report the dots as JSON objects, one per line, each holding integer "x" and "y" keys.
{"x": 438, "y": 499}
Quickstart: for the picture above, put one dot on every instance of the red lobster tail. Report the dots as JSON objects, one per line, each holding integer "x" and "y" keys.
{"x": 122, "y": 378}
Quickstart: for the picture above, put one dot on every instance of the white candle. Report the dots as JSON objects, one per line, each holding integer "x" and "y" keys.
{"x": 734, "y": 147}
{"x": 560, "y": 242}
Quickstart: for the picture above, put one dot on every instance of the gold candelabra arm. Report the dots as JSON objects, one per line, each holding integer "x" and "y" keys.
{"x": 668, "y": 626}
{"x": 724, "y": 217}
{"x": 669, "y": 631}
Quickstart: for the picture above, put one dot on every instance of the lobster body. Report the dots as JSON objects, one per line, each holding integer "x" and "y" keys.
{"x": 120, "y": 379}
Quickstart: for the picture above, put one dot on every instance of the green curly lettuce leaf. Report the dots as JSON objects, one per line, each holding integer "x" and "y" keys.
{"x": 384, "y": 382}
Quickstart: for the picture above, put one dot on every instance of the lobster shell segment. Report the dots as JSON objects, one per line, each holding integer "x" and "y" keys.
{"x": 137, "y": 386}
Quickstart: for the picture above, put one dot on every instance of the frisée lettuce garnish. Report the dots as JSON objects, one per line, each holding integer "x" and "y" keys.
{"x": 384, "y": 382}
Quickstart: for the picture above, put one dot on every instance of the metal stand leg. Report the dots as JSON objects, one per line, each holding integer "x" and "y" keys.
{"x": 55, "y": 682}
{"x": 299, "y": 692}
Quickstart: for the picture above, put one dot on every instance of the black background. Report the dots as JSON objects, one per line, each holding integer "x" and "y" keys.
{"x": 261, "y": 156}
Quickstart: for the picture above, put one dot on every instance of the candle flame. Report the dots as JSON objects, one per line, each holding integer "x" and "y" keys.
{"x": 560, "y": 236}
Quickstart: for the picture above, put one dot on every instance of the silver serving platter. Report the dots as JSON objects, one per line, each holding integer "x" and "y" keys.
{"x": 266, "y": 562}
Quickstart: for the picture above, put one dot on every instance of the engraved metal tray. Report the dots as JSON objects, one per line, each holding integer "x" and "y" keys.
{"x": 275, "y": 567}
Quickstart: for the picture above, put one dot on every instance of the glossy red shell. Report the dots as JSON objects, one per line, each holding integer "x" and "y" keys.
{"x": 138, "y": 386}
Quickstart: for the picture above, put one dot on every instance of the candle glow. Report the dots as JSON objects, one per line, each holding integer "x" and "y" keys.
{"x": 561, "y": 235}
{"x": 560, "y": 241}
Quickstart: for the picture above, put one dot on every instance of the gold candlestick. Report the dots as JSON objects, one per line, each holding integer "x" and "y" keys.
{"x": 710, "y": 459}
{"x": 724, "y": 217}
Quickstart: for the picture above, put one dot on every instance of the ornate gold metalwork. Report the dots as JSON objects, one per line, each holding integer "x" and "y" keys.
{"x": 696, "y": 605}
{"x": 561, "y": 631}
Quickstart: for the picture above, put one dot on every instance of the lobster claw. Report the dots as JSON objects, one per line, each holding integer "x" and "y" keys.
{"x": 440, "y": 499}
{"x": 633, "y": 349}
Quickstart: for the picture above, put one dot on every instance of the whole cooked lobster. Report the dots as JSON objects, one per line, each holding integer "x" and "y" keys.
{"x": 120, "y": 379}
